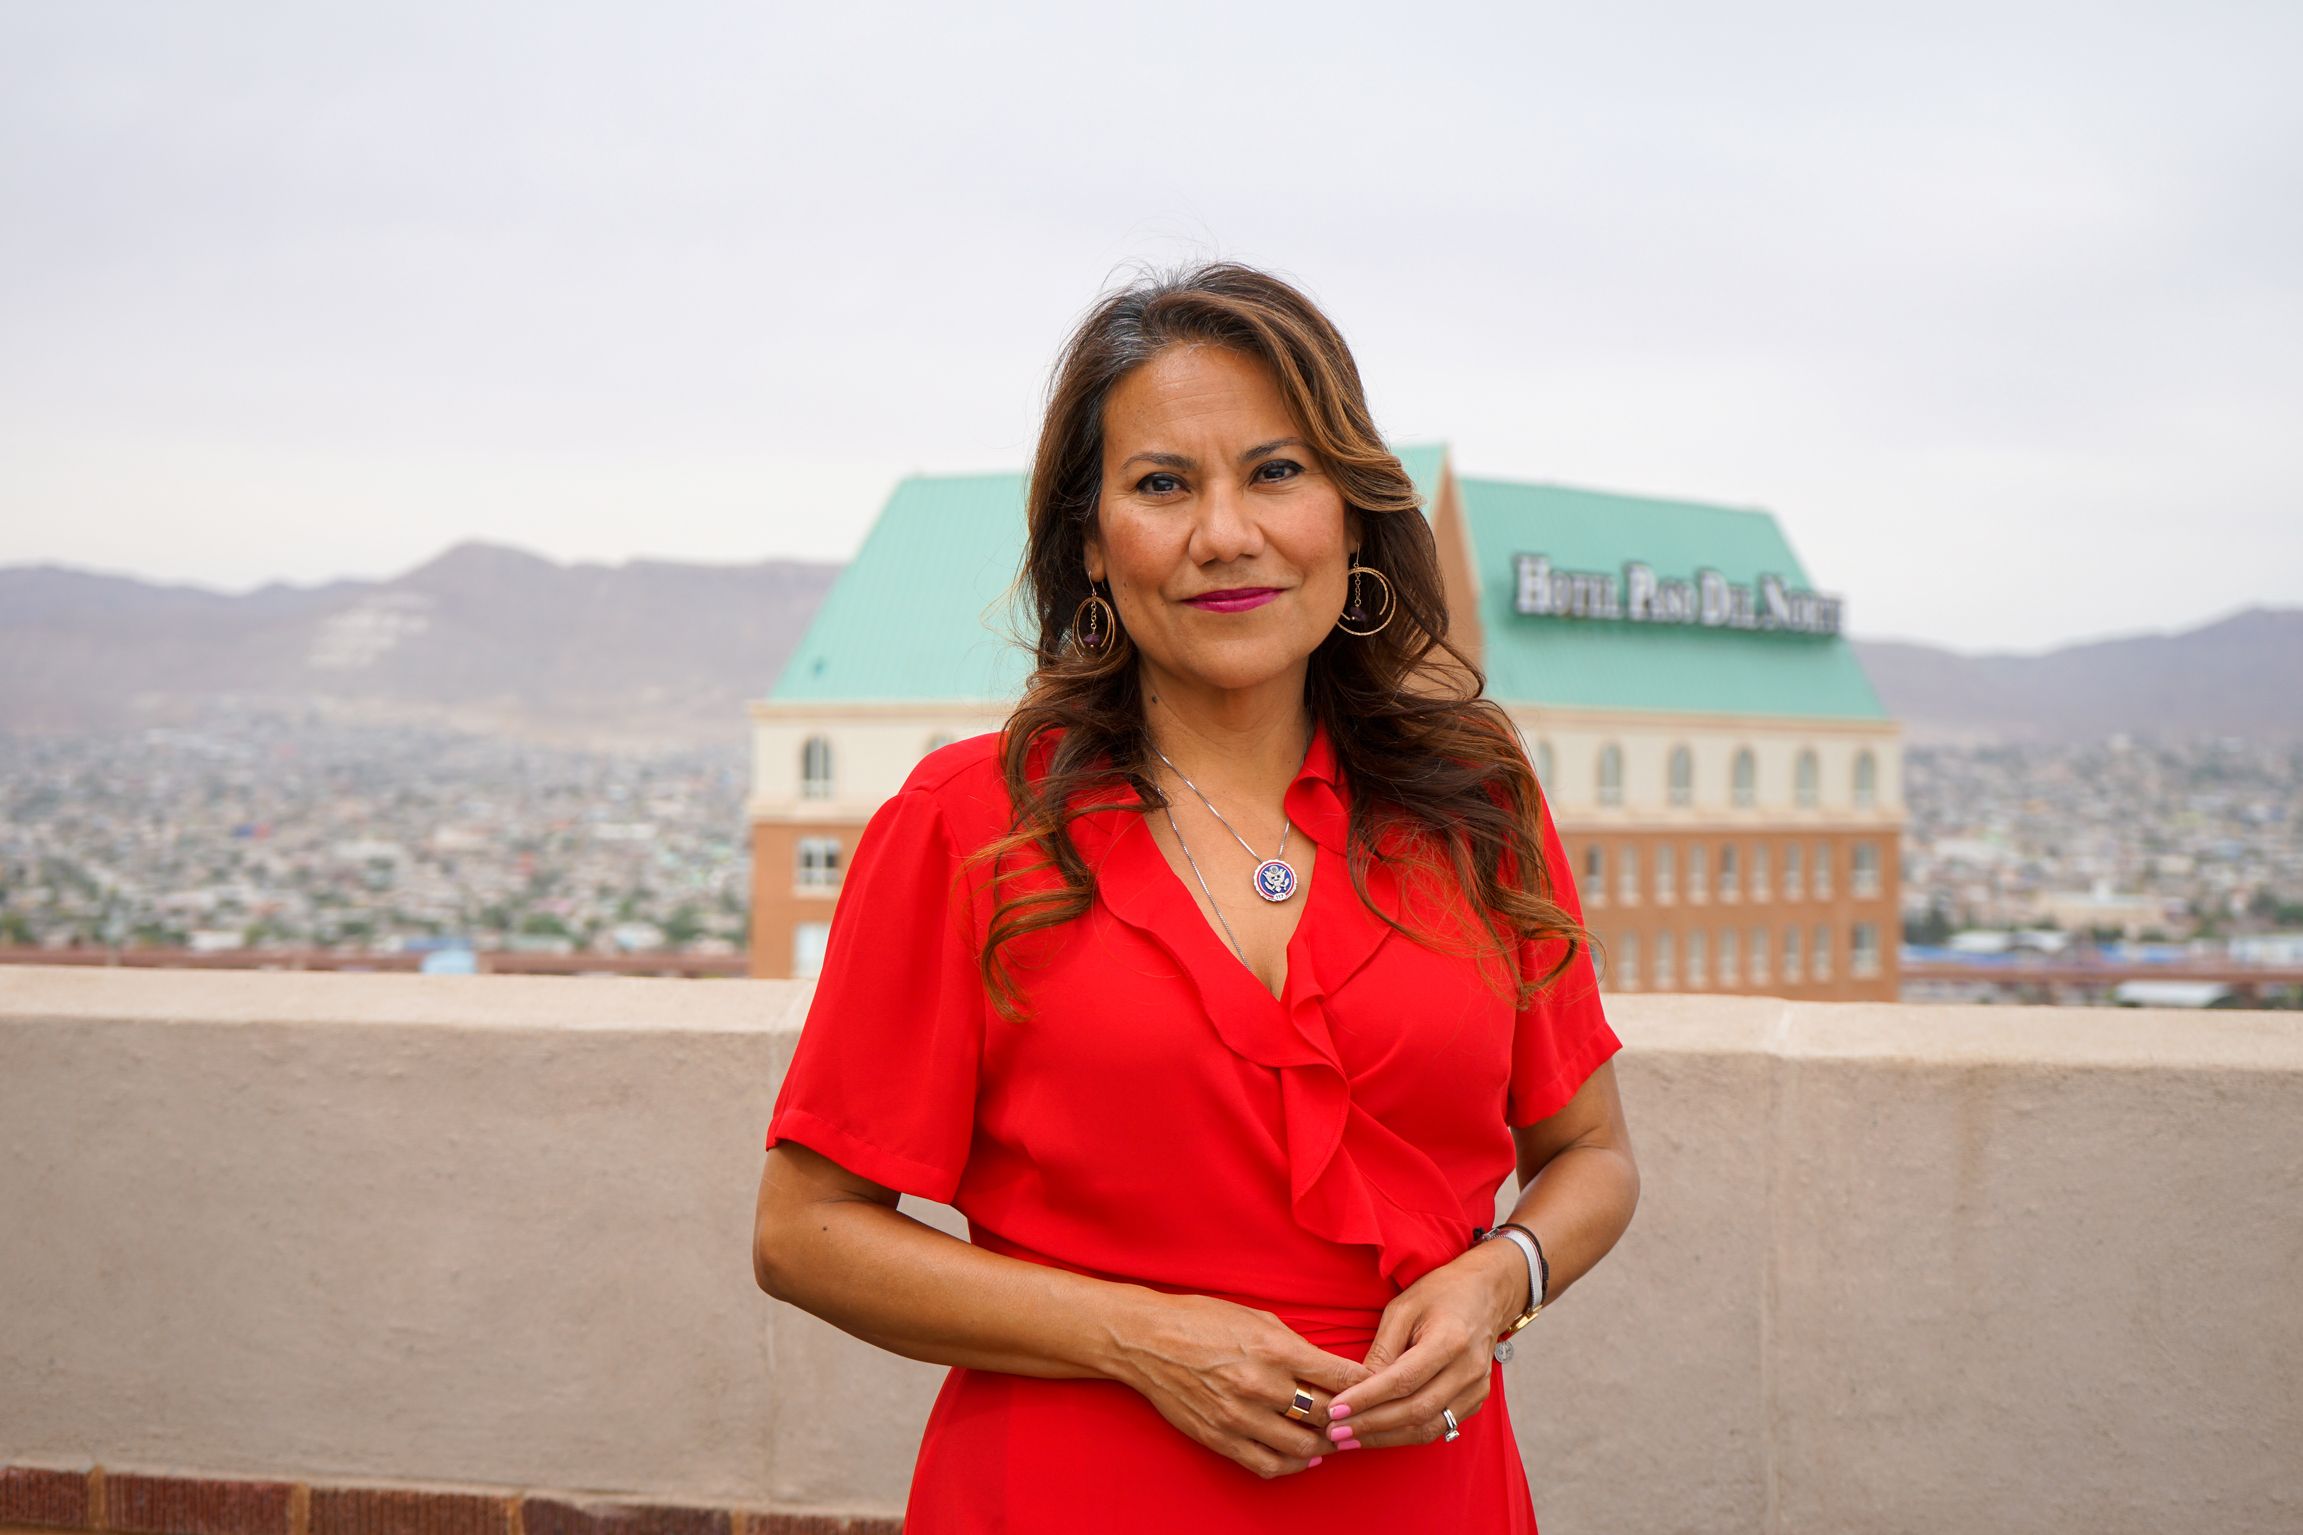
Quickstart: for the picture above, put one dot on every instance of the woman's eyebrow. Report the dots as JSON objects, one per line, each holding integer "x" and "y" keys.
{"x": 1261, "y": 450}
{"x": 1164, "y": 460}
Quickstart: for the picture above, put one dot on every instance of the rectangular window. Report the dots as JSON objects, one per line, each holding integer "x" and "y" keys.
{"x": 1730, "y": 873}
{"x": 1863, "y": 953}
{"x": 1791, "y": 873}
{"x": 1698, "y": 885}
{"x": 1791, "y": 954}
{"x": 1666, "y": 873}
{"x": 1696, "y": 978}
{"x": 1760, "y": 874}
{"x": 1863, "y": 869}
{"x": 1664, "y": 979}
{"x": 808, "y": 940}
{"x": 1627, "y": 874}
{"x": 1758, "y": 956}
{"x": 1626, "y": 965}
{"x": 1594, "y": 873}
{"x": 1823, "y": 871}
{"x": 819, "y": 863}
{"x": 1730, "y": 959}
{"x": 1820, "y": 957}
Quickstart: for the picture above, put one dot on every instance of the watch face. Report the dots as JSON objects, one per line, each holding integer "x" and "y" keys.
{"x": 1503, "y": 1352}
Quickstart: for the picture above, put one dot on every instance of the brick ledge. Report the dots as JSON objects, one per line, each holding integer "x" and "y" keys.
{"x": 38, "y": 1500}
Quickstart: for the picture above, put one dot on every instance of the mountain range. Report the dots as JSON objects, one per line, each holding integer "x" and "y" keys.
{"x": 663, "y": 653}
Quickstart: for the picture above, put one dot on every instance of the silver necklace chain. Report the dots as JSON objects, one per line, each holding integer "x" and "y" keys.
{"x": 1213, "y": 904}
{"x": 1227, "y": 826}
{"x": 1195, "y": 874}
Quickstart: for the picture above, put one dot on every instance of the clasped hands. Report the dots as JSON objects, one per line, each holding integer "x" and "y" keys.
{"x": 1222, "y": 1373}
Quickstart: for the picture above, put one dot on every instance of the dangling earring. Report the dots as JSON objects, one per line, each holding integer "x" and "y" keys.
{"x": 1101, "y": 625}
{"x": 1356, "y": 613}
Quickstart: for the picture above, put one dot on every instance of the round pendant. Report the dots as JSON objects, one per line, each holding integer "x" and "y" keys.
{"x": 1274, "y": 880}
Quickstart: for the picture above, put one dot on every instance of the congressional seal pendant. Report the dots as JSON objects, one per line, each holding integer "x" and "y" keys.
{"x": 1274, "y": 879}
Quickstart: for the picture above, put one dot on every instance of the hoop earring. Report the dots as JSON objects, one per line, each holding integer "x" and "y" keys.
{"x": 1356, "y": 613}
{"x": 1100, "y": 627}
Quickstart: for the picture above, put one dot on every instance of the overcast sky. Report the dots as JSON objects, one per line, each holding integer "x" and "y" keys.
{"x": 1999, "y": 307}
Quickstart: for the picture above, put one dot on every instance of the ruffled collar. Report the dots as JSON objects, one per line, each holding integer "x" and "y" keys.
{"x": 1350, "y": 1178}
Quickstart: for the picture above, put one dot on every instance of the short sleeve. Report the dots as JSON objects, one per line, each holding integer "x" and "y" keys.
{"x": 883, "y": 1080}
{"x": 1561, "y": 1037}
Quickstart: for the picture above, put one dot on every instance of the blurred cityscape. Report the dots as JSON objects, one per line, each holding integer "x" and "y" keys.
{"x": 268, "y": 834}
{"x": 275, "y": 833}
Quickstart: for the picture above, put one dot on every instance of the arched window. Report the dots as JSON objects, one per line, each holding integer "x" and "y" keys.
{"x": 1611, "y": 774}
{"x": 1746, "y": 780}
{"x": 1543, "y": 764}
{"x": 1804, "y": 781}
{"x": 816, "y": 768}
{"x": 1682, "y": 776}
{"x": 1866, "y": 780}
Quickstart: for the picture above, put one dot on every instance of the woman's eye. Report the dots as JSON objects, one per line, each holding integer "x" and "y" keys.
{"x": 1278, "y": 469}
{"x": 1159, "y": 484}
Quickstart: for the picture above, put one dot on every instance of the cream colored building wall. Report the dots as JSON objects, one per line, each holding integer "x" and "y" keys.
{"x": 1578, "y": 736}
{"x": 874, "y": 747}
{"x": 1894, "y": 1268}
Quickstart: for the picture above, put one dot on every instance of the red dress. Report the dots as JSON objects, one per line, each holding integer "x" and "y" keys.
{"x": 1162, "y": 1119}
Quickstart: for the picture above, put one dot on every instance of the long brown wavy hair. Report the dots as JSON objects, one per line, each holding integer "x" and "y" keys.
{"x": 1438, "y": 778}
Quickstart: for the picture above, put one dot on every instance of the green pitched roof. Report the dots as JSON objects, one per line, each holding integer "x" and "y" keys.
{"x": 1612, "y": 664}
{"x": 918, "y": 614}
{"x": 923, "y": 613}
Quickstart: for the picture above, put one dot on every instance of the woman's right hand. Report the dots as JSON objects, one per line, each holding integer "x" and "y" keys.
{"x": 1223, "y": 1373}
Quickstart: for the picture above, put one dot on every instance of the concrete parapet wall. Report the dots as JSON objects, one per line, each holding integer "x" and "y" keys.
{"x": 1894, "y": 1267}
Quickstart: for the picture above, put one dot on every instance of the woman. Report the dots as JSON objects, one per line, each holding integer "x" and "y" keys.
{"x": 1220, "y": 990}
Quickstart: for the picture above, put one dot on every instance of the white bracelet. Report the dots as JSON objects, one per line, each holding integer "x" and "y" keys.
{"x": 1519, "y": 1239}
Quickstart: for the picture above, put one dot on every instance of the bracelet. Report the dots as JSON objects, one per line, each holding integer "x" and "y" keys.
{"x": 1543, "y": 1264}
{"x": 1538, "y": 1279}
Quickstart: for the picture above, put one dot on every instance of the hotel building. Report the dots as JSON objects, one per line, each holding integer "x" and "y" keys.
{"x": 1720, "y": 770}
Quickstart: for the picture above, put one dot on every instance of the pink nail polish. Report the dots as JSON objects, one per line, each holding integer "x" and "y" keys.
{"x": 1339, "y": 1409}
{"x": 1348, "y": 1444}
{"x": 1315, "y": 1460}
{"x": 1340, "y": 1432}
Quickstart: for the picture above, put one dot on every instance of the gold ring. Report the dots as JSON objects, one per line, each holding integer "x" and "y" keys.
{"x": 1300, "y": 1408}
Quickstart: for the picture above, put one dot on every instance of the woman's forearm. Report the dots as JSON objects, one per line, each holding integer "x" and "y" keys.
{"x": 1578, "y": 1204}
{"x": 872, "y": 1271}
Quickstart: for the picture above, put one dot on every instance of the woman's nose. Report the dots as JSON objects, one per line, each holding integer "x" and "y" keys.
{"x": 1224, "y": 530}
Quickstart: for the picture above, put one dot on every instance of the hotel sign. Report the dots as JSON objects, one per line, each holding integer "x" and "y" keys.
{"x": 1639, "y": 596}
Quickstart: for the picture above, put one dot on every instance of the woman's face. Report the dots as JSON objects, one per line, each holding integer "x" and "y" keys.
{"x": 1210, "y": 488}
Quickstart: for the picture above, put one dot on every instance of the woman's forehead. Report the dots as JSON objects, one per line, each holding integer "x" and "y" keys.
{"x": 1196, "y": 392}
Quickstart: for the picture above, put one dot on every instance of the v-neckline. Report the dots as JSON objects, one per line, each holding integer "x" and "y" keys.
{"x": 1305, "y": 886}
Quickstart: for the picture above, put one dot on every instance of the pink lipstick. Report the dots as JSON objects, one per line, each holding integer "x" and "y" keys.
{"x": 1237, "y": 600}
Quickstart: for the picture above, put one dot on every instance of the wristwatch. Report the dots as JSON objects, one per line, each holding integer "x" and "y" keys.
{"x": 1538, "y": 1278}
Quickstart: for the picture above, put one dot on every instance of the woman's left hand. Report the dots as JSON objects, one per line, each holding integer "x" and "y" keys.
{"x": 1434, "y": 1349}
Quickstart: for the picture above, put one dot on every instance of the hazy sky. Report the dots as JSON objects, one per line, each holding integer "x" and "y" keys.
{"x": 1998, "y": 306}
